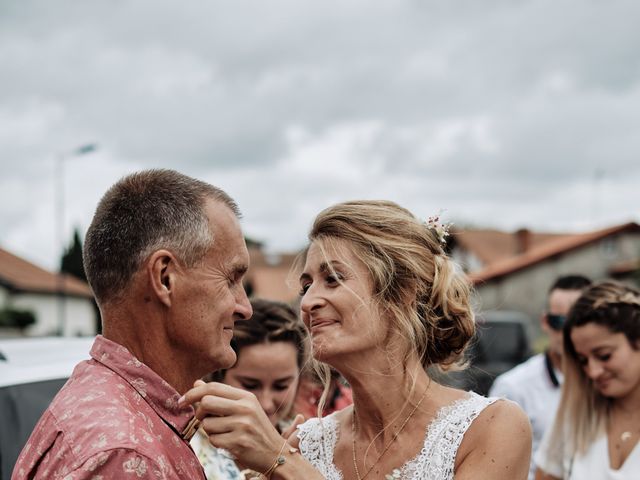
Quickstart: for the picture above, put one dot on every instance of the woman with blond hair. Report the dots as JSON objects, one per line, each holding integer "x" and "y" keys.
{"x": 597, "y": 426}
{"x": 382, "y": 302}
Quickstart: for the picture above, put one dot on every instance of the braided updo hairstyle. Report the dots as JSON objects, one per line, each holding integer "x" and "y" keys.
{"x": 611, "y": 304}
{"x": 414, "y": 282}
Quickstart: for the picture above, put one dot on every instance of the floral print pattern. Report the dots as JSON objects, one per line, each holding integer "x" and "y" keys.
{"x": 114, "y": 418}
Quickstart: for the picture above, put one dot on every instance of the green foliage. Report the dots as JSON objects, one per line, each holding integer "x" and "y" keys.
{"x": 14, "y": 318}
{"x": 72, "y": 263}
{"x": 72, "y": 258}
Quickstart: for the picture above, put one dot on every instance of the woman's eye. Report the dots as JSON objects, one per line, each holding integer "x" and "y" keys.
{"x": 333, "y": 279}
{"x": 303, "y": 289}
{"x": 605, "y": 357}
{"x": 250, "y": 386}
{"x": 281, "y": 387}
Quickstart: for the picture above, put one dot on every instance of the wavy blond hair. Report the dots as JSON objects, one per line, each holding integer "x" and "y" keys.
{"x": 414, "y": 282}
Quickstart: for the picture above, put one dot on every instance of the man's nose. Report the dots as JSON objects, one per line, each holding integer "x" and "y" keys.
{"x": 243, "y": 306}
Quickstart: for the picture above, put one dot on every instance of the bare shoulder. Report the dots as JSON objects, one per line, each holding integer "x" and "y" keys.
{"x": 501, "y": 417}
{"x": 498, "y": 444}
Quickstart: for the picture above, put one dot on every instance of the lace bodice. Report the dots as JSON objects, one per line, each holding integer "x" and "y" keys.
{"x": 434, "y": 462}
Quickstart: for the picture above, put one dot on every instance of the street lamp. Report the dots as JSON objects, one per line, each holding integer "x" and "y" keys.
{"x": 59, "y": 223}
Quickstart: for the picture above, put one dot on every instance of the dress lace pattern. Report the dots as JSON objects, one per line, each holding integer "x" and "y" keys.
{"x": 434, "y": 462}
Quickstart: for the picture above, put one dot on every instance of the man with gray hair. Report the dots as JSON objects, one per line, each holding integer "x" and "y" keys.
{"x": 165, "y": 258}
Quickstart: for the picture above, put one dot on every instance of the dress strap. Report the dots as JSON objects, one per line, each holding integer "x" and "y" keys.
{"x": 436, "y": 460}
{"x": 318, "y": 438}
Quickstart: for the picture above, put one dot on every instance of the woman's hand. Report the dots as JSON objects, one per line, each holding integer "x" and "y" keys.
{"x": 291, "y": 429}
{"x": 235, "y": 421}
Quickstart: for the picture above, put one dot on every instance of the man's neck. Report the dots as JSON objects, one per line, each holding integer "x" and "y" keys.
{"x": 149, "y": 345}
{"x": 556, "y": 360}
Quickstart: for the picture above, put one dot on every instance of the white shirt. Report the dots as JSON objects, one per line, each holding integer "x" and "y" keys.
{"x": 594, "y": 464}
{"x": 530, "y": 386}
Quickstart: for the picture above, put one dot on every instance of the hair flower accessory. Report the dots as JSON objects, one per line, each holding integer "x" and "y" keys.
{"x": 440, "y": 229}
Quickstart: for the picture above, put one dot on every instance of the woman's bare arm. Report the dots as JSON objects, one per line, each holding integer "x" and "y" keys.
{"x": 497, "y": 446}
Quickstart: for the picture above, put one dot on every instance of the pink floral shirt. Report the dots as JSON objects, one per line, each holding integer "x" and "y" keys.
{"x": 114, "y": 419}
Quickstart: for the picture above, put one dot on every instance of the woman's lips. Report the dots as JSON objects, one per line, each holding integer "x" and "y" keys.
{"x": 319, "y": 324}
{"x": 602, "y": 384}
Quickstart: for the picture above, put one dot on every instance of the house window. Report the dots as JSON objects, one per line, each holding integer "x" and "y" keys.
{"x": 608, "y": 247}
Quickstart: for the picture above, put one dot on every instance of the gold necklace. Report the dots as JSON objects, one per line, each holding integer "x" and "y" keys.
{"x": 627, "y": 434}
{"x": 384, "y": 450}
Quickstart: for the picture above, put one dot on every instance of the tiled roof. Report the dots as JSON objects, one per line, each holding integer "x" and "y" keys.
{"x": 270, "y": 276}
{"x": 547, "y": 250}
{"x": 274, "y": 284}
{"x": 18, "y": 274}
{"x": 492, "y": 245}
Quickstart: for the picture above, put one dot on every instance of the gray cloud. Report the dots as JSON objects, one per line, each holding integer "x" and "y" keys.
{"x": 500, "y": 111}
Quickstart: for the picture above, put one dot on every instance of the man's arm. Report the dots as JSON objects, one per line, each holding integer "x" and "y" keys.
{"x": 121, "y": 463}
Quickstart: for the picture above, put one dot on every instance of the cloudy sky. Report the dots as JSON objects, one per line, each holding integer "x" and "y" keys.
{"x": 504, "y": 113}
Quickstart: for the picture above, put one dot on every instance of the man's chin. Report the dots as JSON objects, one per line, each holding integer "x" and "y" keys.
{"x": 227, "y": 360}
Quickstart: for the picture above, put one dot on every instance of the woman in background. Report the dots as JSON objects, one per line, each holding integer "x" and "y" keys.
{"x": 597, "y": 427}
{"x": 270, "y": 350}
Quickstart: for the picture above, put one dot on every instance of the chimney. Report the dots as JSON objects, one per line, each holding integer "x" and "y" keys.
{"x": 523, "y": 240}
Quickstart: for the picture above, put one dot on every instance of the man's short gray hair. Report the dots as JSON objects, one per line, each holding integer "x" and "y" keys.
{"x": 140, "y": 214}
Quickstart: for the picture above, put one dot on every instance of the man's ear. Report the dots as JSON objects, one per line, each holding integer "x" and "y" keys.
{"x": 544, "y": 323}
{"x": 161, "y": 271}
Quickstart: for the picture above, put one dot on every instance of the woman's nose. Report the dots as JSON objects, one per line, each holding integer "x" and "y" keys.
{"x": 267, "y": 402}
{"x": 594, "y": 369}
{"x": 310, "y": 301}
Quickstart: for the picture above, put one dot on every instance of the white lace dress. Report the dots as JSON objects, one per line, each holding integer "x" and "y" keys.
{"x": 434, "y": 462}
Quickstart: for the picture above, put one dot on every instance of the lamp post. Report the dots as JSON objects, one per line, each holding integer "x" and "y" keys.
{"x": 59, "y": 224}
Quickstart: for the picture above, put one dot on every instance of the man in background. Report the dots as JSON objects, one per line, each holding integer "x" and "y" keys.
{"x": 535, "y": 384}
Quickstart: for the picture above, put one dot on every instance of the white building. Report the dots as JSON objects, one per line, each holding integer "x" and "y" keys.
{"x": 60, "y": 304}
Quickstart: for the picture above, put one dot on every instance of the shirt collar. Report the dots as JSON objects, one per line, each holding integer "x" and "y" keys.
{"x": 161, "y": 396}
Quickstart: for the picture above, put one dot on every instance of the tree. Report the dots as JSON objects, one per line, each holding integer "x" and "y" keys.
{"x": 72, "y": 263}
{"x": 21, "y": 319}
{"x": 72, "y": 258}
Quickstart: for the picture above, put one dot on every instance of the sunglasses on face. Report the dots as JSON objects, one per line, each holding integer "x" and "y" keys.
{"x": 556, "y": 322}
